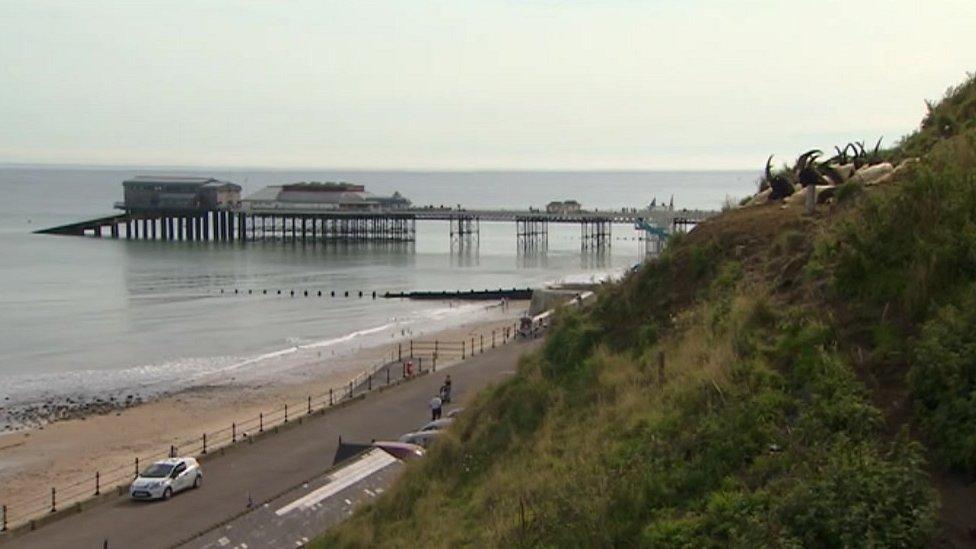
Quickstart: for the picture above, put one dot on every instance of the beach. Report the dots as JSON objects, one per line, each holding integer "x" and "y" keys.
{"x": 69, "y": 451}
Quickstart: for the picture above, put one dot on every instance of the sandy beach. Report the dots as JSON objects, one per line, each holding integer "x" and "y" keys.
{"x": 70, "y": 451}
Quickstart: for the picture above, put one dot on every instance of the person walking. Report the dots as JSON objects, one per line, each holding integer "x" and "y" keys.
{"x": 446, "y": 390}
{"x": 435, "y": 408}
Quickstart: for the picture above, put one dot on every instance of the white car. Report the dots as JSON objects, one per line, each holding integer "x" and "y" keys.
{"x": 167, "y": 477}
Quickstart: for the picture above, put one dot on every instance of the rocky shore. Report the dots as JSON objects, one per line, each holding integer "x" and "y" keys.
{"x": 17, "y": 417}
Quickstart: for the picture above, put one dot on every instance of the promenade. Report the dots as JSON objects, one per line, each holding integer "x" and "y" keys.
{"x": 268, "y": 466}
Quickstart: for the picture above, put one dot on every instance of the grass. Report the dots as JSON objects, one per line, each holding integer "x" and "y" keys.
{"x": 784, "y": 340}
{"x": 762, "y": 435}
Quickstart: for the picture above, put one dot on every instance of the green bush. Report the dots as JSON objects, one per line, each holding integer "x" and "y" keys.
{"x": 943, "y": 379}
{"x": 849, "y": 191}
{"x": 910, "y": 247}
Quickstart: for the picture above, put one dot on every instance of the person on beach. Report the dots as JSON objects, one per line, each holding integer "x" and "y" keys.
{"x": 435, "y": 408}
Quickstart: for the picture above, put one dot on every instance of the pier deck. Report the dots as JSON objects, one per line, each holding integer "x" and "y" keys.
{"x": 310, "y": 226}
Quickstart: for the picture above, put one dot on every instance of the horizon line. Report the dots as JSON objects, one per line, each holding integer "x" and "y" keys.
{"x": 95, "y": 166}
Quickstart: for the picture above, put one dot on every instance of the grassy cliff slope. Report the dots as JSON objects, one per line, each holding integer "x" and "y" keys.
{"x": 818, "y": 389}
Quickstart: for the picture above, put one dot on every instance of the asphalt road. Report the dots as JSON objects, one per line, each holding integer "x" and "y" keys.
{"x": 267, "y": 467}
{"x": 274, "y": 525}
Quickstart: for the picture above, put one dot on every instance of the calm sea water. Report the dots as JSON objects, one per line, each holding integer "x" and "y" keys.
{"x": 83, "y": 315}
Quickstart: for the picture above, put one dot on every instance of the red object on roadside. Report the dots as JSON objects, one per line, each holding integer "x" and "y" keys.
{"x": 409, "y": 368}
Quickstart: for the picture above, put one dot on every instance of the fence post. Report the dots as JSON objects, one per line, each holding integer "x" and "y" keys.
{"x": 137, "y": 467}
{"x": 286, "y": 413}
{"x": 97, "y": 484}
{"x": 403, "y": 366}
{"x": 172, "y": 451}
{"x": 493, "y": 339}
{"x": 3, "y": 523}
{"x": 233, "y": 432}
{"x": 54, "y": 499}
{"x": 310, "y": 404}
{"x": 400, "y": 351}
{"x": 260, "y": 422}
{"x": 330, "y": 396}
{"x": 462, "y": 349}
{"x": 350, "y": 389}
{"x": 481, "y": 345}
{"x": 472, "y": 346}
{"x": 411, "y": 348}
{"x": 660, "y": 368}
{"x": 369, "y": 382}
{"x": 205, "y": 443}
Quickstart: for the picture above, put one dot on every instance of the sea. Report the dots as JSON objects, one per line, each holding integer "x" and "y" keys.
{"x": 82, "y": 316}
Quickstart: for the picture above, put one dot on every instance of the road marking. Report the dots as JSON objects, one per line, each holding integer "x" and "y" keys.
{"x": 369, "y": 492}
{"x": 223, "y": 542}
{"x": 372, "y": 461}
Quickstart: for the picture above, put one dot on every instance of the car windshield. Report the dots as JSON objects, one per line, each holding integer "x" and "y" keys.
{"x": 157, "y": 470}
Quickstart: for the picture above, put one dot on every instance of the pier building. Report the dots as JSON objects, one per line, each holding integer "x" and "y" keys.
{"x": 344, "y": 197}
{"x": 176, "y": 193}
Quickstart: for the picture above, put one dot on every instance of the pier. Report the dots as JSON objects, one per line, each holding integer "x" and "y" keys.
{"x": 302, "y": 227}
{"x": 204, "y": 209}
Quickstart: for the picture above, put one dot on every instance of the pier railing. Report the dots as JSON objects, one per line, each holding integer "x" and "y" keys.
{"x": 407, "y": 360}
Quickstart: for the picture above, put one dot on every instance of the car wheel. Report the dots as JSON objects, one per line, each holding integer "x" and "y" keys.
{"x": 197, "y": 481}
{"x": 167, "y": 493}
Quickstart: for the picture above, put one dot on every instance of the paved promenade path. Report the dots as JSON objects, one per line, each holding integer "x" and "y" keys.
{"x": 269, "y": 466}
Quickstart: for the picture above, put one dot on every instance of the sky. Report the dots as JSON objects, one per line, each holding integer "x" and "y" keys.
{"x": 468, "y": 84}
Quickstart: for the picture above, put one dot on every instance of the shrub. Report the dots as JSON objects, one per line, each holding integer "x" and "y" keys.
{"x": 943, "y": 378}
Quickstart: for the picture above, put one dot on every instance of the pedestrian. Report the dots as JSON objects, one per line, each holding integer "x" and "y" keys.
{"x": 446, "y": 389}
{"x": 435, "y": 408}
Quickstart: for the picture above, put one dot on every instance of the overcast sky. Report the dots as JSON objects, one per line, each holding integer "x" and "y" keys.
{"x": 455, "y": 84}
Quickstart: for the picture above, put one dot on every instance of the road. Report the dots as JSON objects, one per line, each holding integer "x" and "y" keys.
{"x": 267, "y": 467}
{"x": 300, "y": 515}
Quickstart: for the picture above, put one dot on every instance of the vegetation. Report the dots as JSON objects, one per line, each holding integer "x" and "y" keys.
{"x": 954, "y": 115}
{"x": 779, "y": 332}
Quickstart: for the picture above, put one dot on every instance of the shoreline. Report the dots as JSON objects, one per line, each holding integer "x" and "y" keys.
{"x": 91, "y": 397}
{"x": 61, "y": 452}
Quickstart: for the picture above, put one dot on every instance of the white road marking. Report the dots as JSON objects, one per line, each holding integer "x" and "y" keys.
{"x": 372, "y": 461}
{"x": 223, "y": 542}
